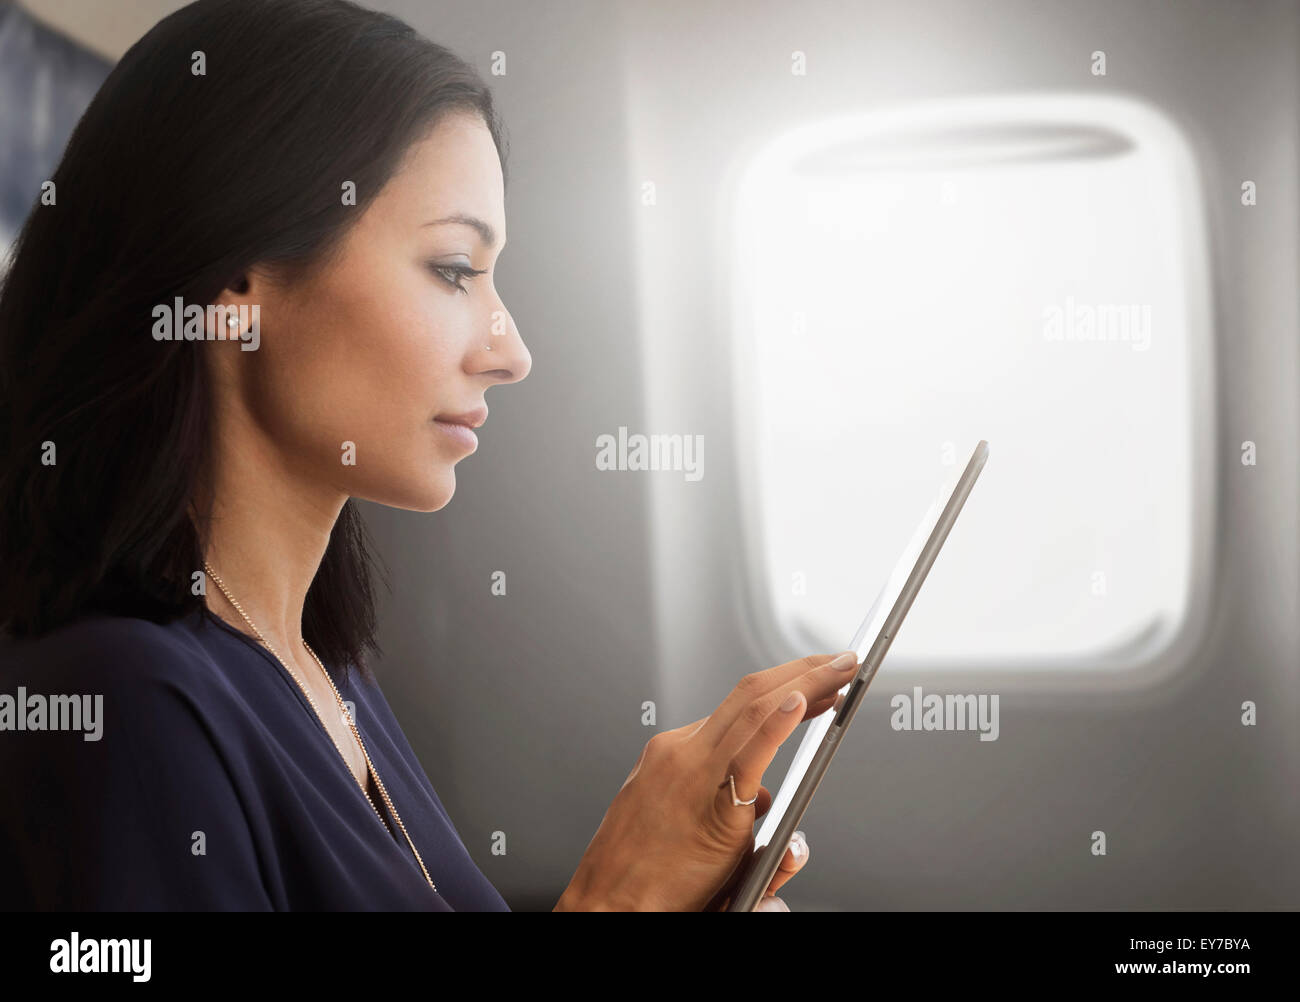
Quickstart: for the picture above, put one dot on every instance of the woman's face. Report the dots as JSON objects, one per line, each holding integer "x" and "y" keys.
{"x": 358, "y": 360}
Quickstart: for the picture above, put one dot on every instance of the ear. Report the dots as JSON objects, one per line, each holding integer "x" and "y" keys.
{"x": 237, "y": 314}
{"x": 246, "y": 292}
{"x": 252, "y": 284}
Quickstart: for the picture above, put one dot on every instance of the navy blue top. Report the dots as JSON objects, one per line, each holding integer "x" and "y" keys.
{"x": 204, "y": 731}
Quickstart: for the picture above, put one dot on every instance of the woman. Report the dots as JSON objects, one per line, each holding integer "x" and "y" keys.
{"x": 260, "y": 285}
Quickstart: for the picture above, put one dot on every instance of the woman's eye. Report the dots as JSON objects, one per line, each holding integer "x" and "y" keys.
{"x": 456, "y": 273}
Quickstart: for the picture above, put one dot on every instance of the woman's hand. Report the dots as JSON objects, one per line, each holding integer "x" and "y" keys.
{"x": 672, "y": 836}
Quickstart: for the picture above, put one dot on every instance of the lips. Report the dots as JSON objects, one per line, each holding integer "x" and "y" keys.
{"x": 462, "y": 434}
{"x": 468, "y": 419}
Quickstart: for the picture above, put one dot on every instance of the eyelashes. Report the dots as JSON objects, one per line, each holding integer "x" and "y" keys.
{"x": 457, "y": 272}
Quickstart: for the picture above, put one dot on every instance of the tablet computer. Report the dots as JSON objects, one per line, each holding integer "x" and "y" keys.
{"x": 750, "y": 881}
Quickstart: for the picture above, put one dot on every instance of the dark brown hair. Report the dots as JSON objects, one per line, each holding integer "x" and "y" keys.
{"x": 173, "y": 183}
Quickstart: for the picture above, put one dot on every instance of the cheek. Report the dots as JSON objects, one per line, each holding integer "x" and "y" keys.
{"x": 368, "y": 366}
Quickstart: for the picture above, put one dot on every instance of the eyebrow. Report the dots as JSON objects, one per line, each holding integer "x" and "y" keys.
{"x": 485, "y": 232}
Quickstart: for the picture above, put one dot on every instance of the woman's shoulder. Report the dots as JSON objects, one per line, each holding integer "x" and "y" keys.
{"x": 143, "y": 691}
{"x": 105, "y": 650}
{"x": 116, "y": 737}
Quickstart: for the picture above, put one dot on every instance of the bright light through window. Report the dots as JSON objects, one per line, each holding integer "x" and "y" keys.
{"x": 1031, "y": 272}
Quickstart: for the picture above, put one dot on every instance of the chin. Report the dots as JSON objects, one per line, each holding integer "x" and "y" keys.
{"x": 428, "y": 495}
{"x": 435, "y": 499}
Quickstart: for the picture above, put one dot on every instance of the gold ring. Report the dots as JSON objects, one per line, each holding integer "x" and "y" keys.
{"x": 735, "y": 799}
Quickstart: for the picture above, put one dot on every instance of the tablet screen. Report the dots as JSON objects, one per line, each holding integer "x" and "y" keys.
{"x": 860, "y": 645}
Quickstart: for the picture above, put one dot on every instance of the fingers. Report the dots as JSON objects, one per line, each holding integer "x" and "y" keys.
{"x": 795, "y": 856}
{"x": 820, "y": 706}
{"x": 749, "y": 762}
{"x": 771, "y": 904}
{"x": 745, "y": 740}
{"x": 689, "y": 730}
{"x": 757, "y": 685}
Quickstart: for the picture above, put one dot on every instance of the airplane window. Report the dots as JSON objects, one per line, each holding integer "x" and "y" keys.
{"x": 1031, "y": 271}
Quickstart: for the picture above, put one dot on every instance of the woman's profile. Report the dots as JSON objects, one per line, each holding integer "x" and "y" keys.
{"x": 260, "y": 284}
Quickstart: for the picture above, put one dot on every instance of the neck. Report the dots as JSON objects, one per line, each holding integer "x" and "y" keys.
{"x": 269, "y": 529}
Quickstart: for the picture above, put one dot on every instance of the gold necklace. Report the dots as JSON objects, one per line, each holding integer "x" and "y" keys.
{"x": 370, "y": 766}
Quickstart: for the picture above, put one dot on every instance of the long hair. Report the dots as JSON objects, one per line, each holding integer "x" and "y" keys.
{"x": 221, "y": 140}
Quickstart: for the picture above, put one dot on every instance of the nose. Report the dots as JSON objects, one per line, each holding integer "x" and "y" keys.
{"x": 504, "y": 352}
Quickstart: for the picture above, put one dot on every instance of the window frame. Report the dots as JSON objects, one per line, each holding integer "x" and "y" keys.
{"x": 1155, "y": 658}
